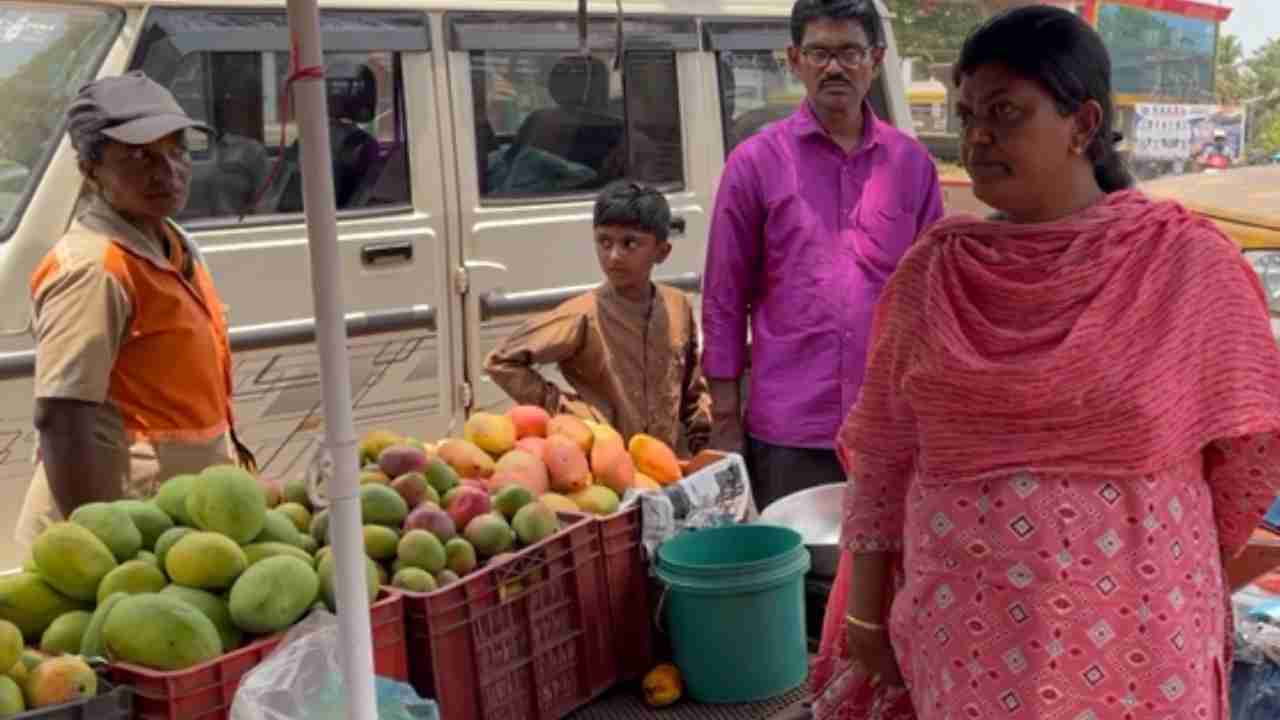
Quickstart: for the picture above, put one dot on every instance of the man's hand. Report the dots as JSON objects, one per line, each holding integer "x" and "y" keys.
{"x": 727, "y": 433}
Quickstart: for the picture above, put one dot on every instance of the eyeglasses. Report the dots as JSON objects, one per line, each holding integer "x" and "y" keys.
{"x": 850, "y": 58}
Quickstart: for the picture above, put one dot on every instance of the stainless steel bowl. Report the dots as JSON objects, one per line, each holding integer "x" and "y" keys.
{"x": 816, "y": 514}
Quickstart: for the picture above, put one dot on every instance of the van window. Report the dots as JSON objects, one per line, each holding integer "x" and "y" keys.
{"x": 234, "y": 79}
{"x": 47, "y": 52}
{"x": 757, "y": 86}
{"x": 550, "y": 121}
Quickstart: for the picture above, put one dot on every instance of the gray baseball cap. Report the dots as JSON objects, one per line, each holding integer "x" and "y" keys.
{"x": 131, "y": 108}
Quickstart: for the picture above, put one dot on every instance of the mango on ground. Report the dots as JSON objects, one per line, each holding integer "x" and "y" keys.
{"x": 72, "y": 559}
{"x": 596, "y": 500}
{"x": 490, "y": 535}
{"x": 91, "y": 643}
{"x": 534, "y": 523}
{"x": 150, "y": 520}
{"x": 494, "y": 434}
{"x": 567, "y": 464}
{"x": 228, "y": 500}
{"x": 206, "y": 560}
{"x": 213, "y": 607}
{"x": 172, "y": 497}
{"x": 414, "y": 579}
{"x": 273, "y": 594}
{"x": 160, "y": 632}
{"x": 64, "y": 635}
{"x": 529, "y": 421}
{"x": 466, "y": 458}
{"x": 432, "y": 519}
{"x": 60, "y": 680}
{"x": 654, "y": 458}
{"x": 611, "y": 465}
{"x": 518, "y": 467}
{"x": 421, "y": 549}
{"x": 573, "y": 428}
{"x": 112, "y": 525}
{"x": 132, "y": 578}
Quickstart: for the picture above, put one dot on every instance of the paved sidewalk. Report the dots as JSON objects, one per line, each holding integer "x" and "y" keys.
{"x": 626, "y": 702}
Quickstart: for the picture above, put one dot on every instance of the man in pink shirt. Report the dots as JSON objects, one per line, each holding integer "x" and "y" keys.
{"x": 812, "y": 216}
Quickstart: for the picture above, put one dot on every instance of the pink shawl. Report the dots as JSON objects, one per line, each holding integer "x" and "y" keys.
{"x": 1115, "y": 342}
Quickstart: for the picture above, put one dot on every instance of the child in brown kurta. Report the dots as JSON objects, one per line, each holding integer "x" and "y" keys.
{"x": 629, "y": 349}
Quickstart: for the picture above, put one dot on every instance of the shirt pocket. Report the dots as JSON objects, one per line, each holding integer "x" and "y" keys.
{"x": 885, "y": 230}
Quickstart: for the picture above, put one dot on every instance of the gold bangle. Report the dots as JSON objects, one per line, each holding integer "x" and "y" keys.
{"x": 860, "y": 623}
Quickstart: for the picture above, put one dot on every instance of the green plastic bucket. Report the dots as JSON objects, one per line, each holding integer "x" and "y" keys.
{"x": 734, "y": 606}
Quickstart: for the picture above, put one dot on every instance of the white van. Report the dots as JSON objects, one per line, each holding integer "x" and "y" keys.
{"x": 470, "y": 137}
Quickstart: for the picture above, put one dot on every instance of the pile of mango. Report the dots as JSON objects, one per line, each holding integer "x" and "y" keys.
{"x": 168, "y": 582}
{"x": 34, "y": 680}
{"x": 435, "y": 512}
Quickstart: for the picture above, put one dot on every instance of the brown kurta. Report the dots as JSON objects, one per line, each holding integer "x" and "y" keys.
{"x": 632, "y": 365}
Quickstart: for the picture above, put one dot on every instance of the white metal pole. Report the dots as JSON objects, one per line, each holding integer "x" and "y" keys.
{"x": 311, "y": 111}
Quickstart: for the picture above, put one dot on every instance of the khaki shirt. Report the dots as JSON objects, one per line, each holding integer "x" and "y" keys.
{"x": 141, "y": 334}
{"x": 632, "y": 365}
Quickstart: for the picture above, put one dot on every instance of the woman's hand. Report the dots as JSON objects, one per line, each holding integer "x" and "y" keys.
{"x": 872, "y": 650}
{"x": 865, "y": 631}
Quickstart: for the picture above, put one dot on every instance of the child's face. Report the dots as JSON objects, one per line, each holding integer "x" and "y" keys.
{"x": 627, "y": 256}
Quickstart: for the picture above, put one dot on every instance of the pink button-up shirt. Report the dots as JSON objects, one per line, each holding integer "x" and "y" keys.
{"x": 803, "y": 238}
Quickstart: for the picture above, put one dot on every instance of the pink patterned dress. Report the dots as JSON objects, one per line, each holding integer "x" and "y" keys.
{"x": 1058, "y": 597}
{"x": 1063, "y": 428}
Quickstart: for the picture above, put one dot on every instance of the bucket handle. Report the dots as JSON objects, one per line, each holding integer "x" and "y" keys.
{"x": 657, "y": 613}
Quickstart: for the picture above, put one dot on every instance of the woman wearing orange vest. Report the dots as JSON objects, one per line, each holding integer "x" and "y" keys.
{"x": 133, "y": 367}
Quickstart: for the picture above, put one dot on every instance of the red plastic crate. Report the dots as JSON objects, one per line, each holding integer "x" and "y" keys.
{"x": 205, "y": 692}
{"x": 528, "y": 639}
{"x": 626, "y": 569}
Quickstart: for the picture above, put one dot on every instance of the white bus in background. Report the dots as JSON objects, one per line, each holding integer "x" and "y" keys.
{"x": 449, "y": 239}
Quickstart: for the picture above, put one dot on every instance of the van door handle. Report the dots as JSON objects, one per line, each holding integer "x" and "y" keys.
{"x": 387, "y": 253}
{"x": 677, "y": 225}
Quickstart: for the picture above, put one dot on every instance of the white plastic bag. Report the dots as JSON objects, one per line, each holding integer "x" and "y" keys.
{"x": 302, "y": 680}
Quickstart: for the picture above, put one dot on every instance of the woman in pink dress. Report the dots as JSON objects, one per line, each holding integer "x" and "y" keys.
{"x": 1068, "y": 426}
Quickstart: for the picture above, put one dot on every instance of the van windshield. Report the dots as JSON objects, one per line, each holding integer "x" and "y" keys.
{"x": 47, "y": 52}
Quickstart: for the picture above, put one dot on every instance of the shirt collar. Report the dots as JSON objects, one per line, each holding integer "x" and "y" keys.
{"x": 98, "y": 215}
{"x": 804, "y": 123}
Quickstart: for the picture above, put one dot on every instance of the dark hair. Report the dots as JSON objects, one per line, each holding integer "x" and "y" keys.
{"x": 1059, "y": 50}
{"x": 632, "y": 205}
{"x": 862, "y": 11}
